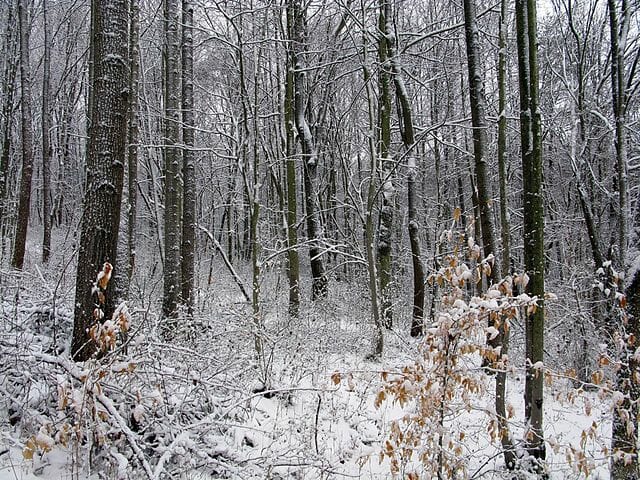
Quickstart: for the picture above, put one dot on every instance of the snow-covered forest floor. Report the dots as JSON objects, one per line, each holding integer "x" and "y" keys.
{"x": 194, "y": 407}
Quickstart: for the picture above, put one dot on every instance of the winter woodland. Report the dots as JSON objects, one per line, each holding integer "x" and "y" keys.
{"x": 319, "y": 239}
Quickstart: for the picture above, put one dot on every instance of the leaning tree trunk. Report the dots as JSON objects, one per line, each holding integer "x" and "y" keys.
{"x": 106, "y": 150}
{"x": 309, "y": 154}
{"x": 533, "y": 229}
{"x": 24, "y": 200}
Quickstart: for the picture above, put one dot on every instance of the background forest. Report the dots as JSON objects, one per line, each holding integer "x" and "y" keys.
{"x": 319, "y": 239}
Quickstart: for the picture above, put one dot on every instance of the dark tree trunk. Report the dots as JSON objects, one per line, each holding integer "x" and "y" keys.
{"x": 309, "y": 155}
{"x": 172, "y": 168}
{"x": 24, "y": 200}
{"x": 46, "y": 144}
{"x": 133, "y": 137}
{"x": 106, "y": 153}
{"x": 188, "y": 161}
{"x": 293, "y": 258}
{"x": 533, "y": 231}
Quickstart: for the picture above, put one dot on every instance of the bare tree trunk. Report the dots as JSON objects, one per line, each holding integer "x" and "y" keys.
{"x": 405, "y": 117}
{"x": 293, "y": 258}
{"x": 387, "y": 188}
{"x": 7, "y": 109}
{"x": 508, "y": 449}
{"x": 172, "y": 167}
{"x": 624, "y": 435}
{"x": 24, "y": 201}
{"x": 106, "y": 152}
{"x": 188, "y": 161}
{"x": 133, "y": 136}
{"x": 531, "y": 146}
{"x": 309, "y": 155}
{"x": 46, "y": 144}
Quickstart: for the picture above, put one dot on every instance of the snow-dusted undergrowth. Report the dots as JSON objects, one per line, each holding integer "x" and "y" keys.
{"x": 195, "y": 407}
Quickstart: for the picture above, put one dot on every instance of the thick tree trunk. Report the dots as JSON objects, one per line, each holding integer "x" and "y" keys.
{"x": 188, "y": 161}
{"x": 172, "y": 168}
{"x": 7, "y": 110}
{"x": 106, "y": 150}
{"x": 24, "y": 200}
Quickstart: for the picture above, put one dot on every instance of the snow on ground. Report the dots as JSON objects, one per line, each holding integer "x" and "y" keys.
{"x": 192, "y": 406}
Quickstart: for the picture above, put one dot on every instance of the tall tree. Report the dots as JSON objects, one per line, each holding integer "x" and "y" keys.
{"x": 533, "y": 228}
{"x": 46, "y": 143}
{"x": 188, "y": 160}
{"x": 24, "y": 200}
{"x": 293, "y": 258}
{"x": 309, "y": 154}
{"x": 106, "y": 150}
{"x": 385, "y": 233}
{"x": 172, "y": 165}
{"x": 133, "y": 135}
{"x": 624, "y": 434}
{"x": 9, "y": 79}
{"x": 407, "y": 131}
{"x": 477, "y": 103}
{"x": 501, "y": 375}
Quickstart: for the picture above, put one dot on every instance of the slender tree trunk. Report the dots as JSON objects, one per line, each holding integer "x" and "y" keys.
{"x": 133, "y": 136}
{"x": 46, "y": 144}
{"x": 510, "y": 458}
{"x": 172, "y": 167}
{"x": 405, "y": 117}
{"x": 188, "y": 161}
{"x": 293, "y": 259}
{"x": 477, "y": 103}
{"x": 531, "y": 145}
{"x": 106, "y": 152}
{"x": 618, "y": 34}
{"x": 385, "y": 232}
{"x": 624, "y": 437}
{"x": 24, "y": 200}
{"x": 505, "y": 227}
{"x": 309, "y": 155}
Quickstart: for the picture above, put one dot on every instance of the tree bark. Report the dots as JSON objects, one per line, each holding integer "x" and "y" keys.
{"x": 133, "y": 136}
{"x": 46, "y": 144}
{"x": 172, "y": 168}
{"x": 533, "y": 231}
{"x": 7, "y": 110}
{"x": 188, "y": 161}
{"x": 309, "y": 155}
{"x": 387, "y": 169}
{"x": 24, "y": 200}
{"x": 293, "y": 258}
{"x": 106, "y": 150}
{"x": 405, "y": 117}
